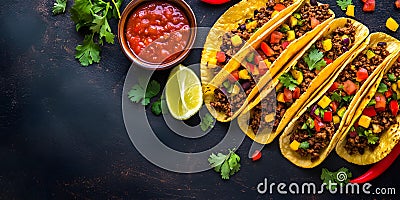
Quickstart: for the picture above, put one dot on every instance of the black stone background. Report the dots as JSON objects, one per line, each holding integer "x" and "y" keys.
{"x": 62, "y": 134}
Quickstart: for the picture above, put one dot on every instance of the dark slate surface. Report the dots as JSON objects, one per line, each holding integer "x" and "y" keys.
{"x": 62, "y": 134}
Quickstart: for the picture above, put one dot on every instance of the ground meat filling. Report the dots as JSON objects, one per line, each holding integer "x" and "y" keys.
{"x": 317, "y": 141}
{"x": 258, "y": 117}
{"x": 261, "y": 16}
{"x": 356, "y": 144}
{"x": 320, "y": 140}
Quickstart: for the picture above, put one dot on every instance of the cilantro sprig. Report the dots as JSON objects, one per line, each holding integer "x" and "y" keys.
{"x": 332, "y": 177}
{"x": 59, "y": 7}
{"x": 142, "y": 93}
{"x": 344, "y": 3}
{"x": 314, "y": 59}
{"x": 288, "y": 81}
{"x": 207, "y": 122}
{"x": 226, "y": 165}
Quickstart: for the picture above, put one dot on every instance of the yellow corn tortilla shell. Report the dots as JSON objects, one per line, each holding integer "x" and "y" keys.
{"x": 235, "y": 15}
{"x": 266, "y": 136}
{"x": 276, "y": 66}
{"x": 388, "y": 139}
{"x": 284, "y": 140}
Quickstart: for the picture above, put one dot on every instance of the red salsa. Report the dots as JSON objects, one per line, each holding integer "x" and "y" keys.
{"x": 157, "y": 32}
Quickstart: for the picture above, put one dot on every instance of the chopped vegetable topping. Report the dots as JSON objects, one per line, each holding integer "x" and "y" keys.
{"x": 391, "y": 24}
{"x": 343, "y": 4}
{"x": 314, "y": 59}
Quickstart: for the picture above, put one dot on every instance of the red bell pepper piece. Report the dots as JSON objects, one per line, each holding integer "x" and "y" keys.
{"x": 287, "y": 95}
{"x": 328, "y": 116}
{"x": 370, "y": 111}
{"x": 279, "y": 7}
{"x": 380, "y": 102}
{"x": 388, "y": 93}
{"x": 394, "y": 107}
{"x": 334, "y": 106}
{"x": 276, "y": 37}
{"x": 328, "y": 61}
{"x": 317, "y": 125}
{"x": 362, "y": 74}
{"x": 285, "y": 44}
{"x": 349, "y": 87}
{"x": 296, "y": 93}
{"x": 215, "y": 2}
{"x": 379, "y": 167}
{"x": 221, "y": 57}
{"x": 369, "y": 6}
{"x": 266, "y": 49}
{"x": 256, "y": 155}
{"x": 234, "y": 76}
{"x": 334, "y": 86}
{"x": 314, "y": 22}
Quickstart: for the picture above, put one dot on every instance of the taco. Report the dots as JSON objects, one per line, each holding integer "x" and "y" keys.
{"x": 316, "y": 129}
{"x": 243, "y": 22}
{"x": 269, "y": 113}
{"x": 238, "y": 83}
{"x": 374, "y": 130}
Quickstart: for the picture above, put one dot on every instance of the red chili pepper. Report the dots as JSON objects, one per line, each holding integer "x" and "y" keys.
{"x": 256, "y": 155}
{"x": 379, "y": 167}
{"x": 215, "y": 2}
{"x": 394, "y": 107}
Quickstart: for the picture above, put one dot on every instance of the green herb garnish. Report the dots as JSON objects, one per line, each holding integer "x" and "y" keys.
{"x": 226, "y": 165}
{"x": 207, "y": 122}
{"x": 142, "y": 93}
{"x": 288, "y": 81}
{"x": 59, "y": 7}
{"x": 344, "y": 3}
{"x": 314, "y": 59}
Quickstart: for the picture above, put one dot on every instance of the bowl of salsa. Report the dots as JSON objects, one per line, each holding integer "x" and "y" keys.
{"x": 157, "y": 34}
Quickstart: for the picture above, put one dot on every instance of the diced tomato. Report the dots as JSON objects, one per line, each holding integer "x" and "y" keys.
{"x": 221, "y": 57}
{"x": 334, "y": 106}
{"x": 234, "y": 76}
{"x": 334, "y": 86}
{"x": 362, "y": 74}
{"x": 349, "y": 87}
{"x": 296, "y": 93}
{"x": 397, "y": 4}
{"x": 266, "y": 49}
{"x": 328, "y": 61}
{"x": 380, "y": 102}
{"x": 262, "y": 68}
{"x": 369, "y": 6}
{"x": 328, "y": 116}
{"x": 250, "y": 67}
{"x": 388, "y": 93}
{"x": 285, "y": 44}
{"x": 370, "y": 111}
{"x": 257, "y": 59}
{"x": 279, "y": 7}
{"x": 276, "y": 37}
{"x": 256, "y": 155}
{"x": 364, "y": 1}
{"x": 318, "y": 125}
{"x": 287, "y": 95}
{"x": 394, "y": 107}
{"x": 314, "y": 22}
{"x": 356, "y": 125}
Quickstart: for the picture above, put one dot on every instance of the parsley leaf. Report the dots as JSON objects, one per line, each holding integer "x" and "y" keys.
{"x": 344, "y": 3}
{"x": 336, "y": 97}
{"x": 88, "y": 52}
{"x": 382, "y": 88}
{"x": 156, "y": 107}
{"x": 333, "y": 177}
{"x": 314, "y": 59}
{"x": 226, "y": 165}
{"x": 207, "y": 122}
{"x": 304, "y": 145}
{"x": 59, "y": 7}
{"x": 288, "y": 81}
{"x": 139, "y": 94}
{"x": 372, "y": 138}
{"x": 348, "y": 98}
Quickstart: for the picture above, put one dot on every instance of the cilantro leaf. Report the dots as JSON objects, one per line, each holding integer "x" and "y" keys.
{"x": 371, "y": 103}
{"x": 344, "y": 3}
{"x": 207, "y": 122}
{"x": 88, "y": 52}
{"x": 382, "y": 88}
{"x": 226, "y": 165}
{"x": 288, "y": 81}
{"x": 304, "y": 145}
{"x": 372, "y": 138}
{"x": 391, "y": 77}
{"x": 348, "y": 98}
{"x": 314, "y": 59}
{"x": 81, "y": 13}
{"x": 156, "y": 107}
{"x": 341, "y": 177}
{"x": 137, "y": 93}
{"x": 336, "y": 97}
{"x": 59, "y": 7}
{"x": 101, "y": 26}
